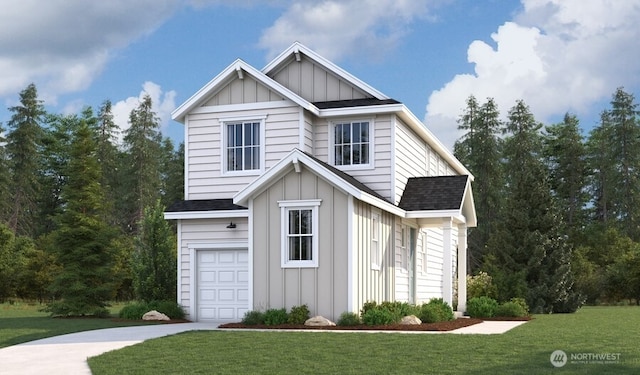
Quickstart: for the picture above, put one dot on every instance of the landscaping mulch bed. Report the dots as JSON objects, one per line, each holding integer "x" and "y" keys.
{"x": 442, "y": 326}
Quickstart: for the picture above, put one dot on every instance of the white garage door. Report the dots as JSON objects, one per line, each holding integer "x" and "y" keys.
{"x": 222, "y": 285}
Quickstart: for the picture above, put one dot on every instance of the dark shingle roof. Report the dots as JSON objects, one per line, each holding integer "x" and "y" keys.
{"x": 354, "y": 103}
{"x": 433, "y": 193}
{"x": 204, "y": 205}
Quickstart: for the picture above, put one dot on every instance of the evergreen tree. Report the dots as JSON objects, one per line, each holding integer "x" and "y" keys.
{"x": 154, "y": 261}
{"x": 108, "y": 156}
{"x": 602, "y": 175}
{"x": 83, "y": 239}
{"x": 565, "y": 153}
{"x": 173, "y": 173}
{"x": 530, "y": 256}
{"x": 143, "y": 147}
{"x": 23, "y": 147}
{"x": 479, "y": 149}
{"x": 5, "y": 180}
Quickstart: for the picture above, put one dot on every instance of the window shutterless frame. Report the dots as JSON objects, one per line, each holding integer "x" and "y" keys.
{"x": 242, "y": 145}
{"x": 351, "y": 144}
{"x": 299, "y": 233}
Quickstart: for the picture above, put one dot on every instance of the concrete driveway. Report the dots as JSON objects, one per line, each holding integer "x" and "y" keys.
{"x": 67, "y": 354}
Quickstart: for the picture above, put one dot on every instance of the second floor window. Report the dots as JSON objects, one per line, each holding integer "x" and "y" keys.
{"x": 352, "y": 143}
{"x": 243, "y": 146}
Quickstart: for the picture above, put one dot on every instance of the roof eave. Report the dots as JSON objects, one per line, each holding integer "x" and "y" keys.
{"x": 218, "y": 214}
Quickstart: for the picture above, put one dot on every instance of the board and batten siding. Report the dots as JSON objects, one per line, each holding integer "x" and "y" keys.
{"x": 314, "y": 83}
{"x": 242, "y": 91}
{"x": 204, "y": 176}
{"x": 198, "y": 234}
{"x": 372, "y": 282}
{"x": 322, "y": 289}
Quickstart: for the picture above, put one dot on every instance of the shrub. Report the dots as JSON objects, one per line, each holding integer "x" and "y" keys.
{"x": 274, "y": 317}
{"x": 102, "y": 313}
{"x": 368, "y": 306}
{"x": 482, "y": 307}
{"x": 379, "y": 316}
{"x": 348, "y": 319}
{"x": 510, "y": 309}
{"x": 298, "y": 314}
{"x": 170, "y": 308}
{"x": 522, "y": 302}
{"x": 134, "y": 311}
{"x": 253, "y": 318}
{"x": 481, "y": 285}
{"x": 436, "y": 310}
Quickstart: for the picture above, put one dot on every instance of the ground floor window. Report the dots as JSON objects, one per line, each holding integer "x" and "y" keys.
{"x": 300, "y": 240}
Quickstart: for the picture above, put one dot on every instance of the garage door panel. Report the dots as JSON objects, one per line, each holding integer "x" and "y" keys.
{"x": 222, "y": 285}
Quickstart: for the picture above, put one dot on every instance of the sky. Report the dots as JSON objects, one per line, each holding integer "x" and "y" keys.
{"x": 558, "y": 56}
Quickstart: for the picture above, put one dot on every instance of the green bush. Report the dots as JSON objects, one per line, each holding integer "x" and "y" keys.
{"x": 274, "y": 317}
{"x": 102, "y": 313}
{"x": 482, "y": 307}
{"x": 379, "y": 316}
{"x": 436, "y": 310}
{"x": 298, "y": 314}
{"x": 253, "y": 318}
{"x": 368, "y": 306}
{"x": 510, "y": 309}
{"x": 522, "y": 302}
{"x": 348, "y": 319}
{"x": 169, "y": 308}
{"x": 134, "y": 311}
{"x": 481, "y": 285}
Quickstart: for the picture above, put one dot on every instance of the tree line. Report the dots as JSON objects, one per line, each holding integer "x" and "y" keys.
{"x": 558, "y": 212}
{"x": 81, "y": 206}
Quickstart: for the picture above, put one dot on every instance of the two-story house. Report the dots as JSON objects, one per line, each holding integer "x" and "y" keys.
{"x": 305, "y": 185}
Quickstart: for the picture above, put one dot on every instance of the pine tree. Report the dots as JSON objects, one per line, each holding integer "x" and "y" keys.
{"x": 83, "y": 240}
{"x": 479, "y": 150}
{"x": 143, "y": 146}
{"x": 154, "y": 261}
{"x": 108, "y": 156}
{"x": 530, "y": 252}
{"x": 566, "y": 157}
{"x": 23, "y": 147}
{"x": 5, "y": 180}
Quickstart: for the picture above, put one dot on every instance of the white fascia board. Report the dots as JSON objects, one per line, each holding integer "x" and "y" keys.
{"x": 298, "y": 47}
{"x": 230, "y": 73}
{"x": 362, "y": 110}
{"x": 468, "y": 206}
{"x": 381, "y": 204}
{"x": 426, "y": 134}
{"x": 223, "y": 214}
{"x": 432, "y": 214}
{"x": 281, "y": 166}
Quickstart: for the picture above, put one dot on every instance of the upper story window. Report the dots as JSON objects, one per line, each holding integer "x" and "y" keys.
{"x": 352, "y": 143}
{"x": 299, "y": 233}
{"x": 243, "y": 145}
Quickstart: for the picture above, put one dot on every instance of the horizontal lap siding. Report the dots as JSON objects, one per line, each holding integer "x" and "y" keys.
{"x": 411, "y": 161}
{"x": 204, "y": 157}
{"x": 204, "y": 231}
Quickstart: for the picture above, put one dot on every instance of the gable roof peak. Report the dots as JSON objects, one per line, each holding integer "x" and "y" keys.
{"x": 298, "y": 48}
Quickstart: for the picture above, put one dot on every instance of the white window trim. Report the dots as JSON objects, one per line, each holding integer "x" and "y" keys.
{"x": 376, "y": 257}
{"x": 223, "y": 144}
{"x": 285, "y": 206}
{"x": 332, "y": 161}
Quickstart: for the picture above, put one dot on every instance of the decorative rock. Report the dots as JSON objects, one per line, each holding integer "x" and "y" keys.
{"x": 319, "y": 321}
{"x": 154, "y": 315}
{"x": 411, "y": 319}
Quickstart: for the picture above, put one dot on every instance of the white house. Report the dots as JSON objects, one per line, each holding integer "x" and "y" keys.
{"x": 305, "y": 185}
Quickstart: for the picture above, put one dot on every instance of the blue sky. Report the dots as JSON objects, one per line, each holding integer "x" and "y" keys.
{"x": 557, "y": 55}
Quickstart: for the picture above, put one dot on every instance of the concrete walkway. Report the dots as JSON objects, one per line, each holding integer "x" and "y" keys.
{"x": 67, "y": 354}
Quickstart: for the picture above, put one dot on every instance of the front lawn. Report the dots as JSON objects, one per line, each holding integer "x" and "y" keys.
{"x": 22, "y": 322}
{"x": 524, "y": 350}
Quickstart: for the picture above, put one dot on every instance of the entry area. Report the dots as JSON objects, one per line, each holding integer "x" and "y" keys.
{"x": 222, "y": 280}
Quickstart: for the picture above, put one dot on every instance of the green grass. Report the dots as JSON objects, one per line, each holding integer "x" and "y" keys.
{"x": 523, "y": 350}
{"x": 22, "y": 322}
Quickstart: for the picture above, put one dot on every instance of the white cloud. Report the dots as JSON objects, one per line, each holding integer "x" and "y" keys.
{"x": 556, "y": 55}
{"x": 330, "y": 28}
{"x": 62, "y": 45}
{"x": 163, "y": 103}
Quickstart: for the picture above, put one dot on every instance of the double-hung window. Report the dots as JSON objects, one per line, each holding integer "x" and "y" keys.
{"x": 299, "y": 233}
{"x": 242, "y": 148}
{"x": 352, "y": 143}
